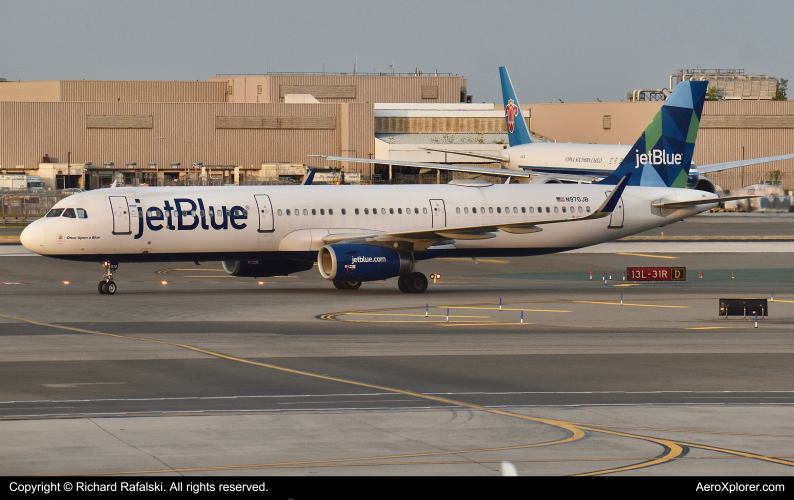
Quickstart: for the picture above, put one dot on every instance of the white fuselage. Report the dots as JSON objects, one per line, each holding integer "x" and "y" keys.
{"x": 217, "y": 223}
{"x": 560, "y": 158}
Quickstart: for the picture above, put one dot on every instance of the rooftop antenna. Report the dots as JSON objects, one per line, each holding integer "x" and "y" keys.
{"x": 355, "y": 66}
{"x": 323, "y": 66}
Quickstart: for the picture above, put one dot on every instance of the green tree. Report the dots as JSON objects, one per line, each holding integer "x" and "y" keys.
{"x": 711, "y": 94}
{"x": 782, "y": 87}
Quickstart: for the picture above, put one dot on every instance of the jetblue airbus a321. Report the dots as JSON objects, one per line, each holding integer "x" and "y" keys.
{"x": 366, "y": 233}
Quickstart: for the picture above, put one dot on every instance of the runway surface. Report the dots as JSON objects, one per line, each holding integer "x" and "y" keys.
{"x": 209, "y": 374}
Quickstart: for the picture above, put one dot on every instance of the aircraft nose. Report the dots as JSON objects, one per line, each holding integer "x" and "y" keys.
{"x": 32, "y": 237}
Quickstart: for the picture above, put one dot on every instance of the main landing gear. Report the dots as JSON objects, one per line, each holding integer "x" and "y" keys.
{"x": 108, "y": 286}
{"x": 412, "y": 283}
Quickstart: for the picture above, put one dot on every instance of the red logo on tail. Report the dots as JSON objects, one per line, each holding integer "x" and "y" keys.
{"x": 511, "y": 111}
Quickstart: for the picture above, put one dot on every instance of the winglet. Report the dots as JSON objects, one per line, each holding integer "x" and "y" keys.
{"x": 612, "y": 200}
{"x": 308, "y": 178}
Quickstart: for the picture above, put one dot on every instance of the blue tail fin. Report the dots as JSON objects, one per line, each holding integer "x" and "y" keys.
{"x": 517, "y": 130}
{"x": 663, "y": 153}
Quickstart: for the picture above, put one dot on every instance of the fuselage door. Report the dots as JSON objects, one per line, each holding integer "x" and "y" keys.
{"x": 616, "y": 218}
{"x": 265, "y": 210}
{"x": 439, "y": 214}
{"x": 121, "y": 214}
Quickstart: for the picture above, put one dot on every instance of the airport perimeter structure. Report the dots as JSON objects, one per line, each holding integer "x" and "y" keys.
{"x": 78, "y": 133}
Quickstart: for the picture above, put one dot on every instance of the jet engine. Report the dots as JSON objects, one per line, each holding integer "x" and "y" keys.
{"x": 265, "y": 268}
{"x": 351, "y": 263}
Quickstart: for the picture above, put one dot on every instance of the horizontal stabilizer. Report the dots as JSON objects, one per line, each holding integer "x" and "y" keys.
{"x": 705, "y": 201}
{"x": 717, "y": 167}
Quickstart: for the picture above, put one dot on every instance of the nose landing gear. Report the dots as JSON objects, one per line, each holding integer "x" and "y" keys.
{"x": 107, "y": 286}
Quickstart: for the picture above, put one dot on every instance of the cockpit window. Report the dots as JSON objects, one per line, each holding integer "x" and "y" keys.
{"x": 69, "y": 212}
{"x": 82, "y": 214}
{"x": 55, "y": 212}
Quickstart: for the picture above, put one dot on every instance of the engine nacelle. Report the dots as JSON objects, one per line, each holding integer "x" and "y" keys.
{"x": 265, "y": 268}
{"x": 343, "y": 262}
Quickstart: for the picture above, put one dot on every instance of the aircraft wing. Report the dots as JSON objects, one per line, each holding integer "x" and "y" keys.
{"x": 716, "y": 167}
{"x": 493, "y": 158}
{"x": 503, "y": 172}
{"x": 432, "y": 236}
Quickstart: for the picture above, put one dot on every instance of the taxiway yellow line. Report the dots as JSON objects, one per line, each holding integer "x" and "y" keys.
{"x": 504, "y": 309}
{"x": 674, "y": 449}
{"x": 489, "y": 323}
{"x": 630, "y": 305}
{"x": 647, "y": 255}
{"x": 410, "y": 315}
{"x": 786, "y": 301}
{"x": 708, "y": 328}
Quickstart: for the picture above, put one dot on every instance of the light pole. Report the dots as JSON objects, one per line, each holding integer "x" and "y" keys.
{"x": 157, "y": 167}
{"x": 277, "y": 165}
{"x": 187, "y": 163}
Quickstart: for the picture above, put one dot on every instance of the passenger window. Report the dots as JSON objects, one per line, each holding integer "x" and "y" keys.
{"x": 416, "y": 210}
{"x": 407, "y": 211}
{"x": 288, "y": 212}
{"x": 69, "y": 212}
{"x": 305, "y": 212}
{"x": 357, "y": 211}
{"x": 482, "y": 210}
{"x": 548, "y": 210}
{"x": 580, "y": 209}
{"x": 344, "y": 211}
{"x": 314, "y": 211}
{"x": 507, "y": 210}
{"x": 499, "y": 210}
{"x": 573, "y": 209}
{"x": 540, "y": 210}
{"x": 515, "y": 210}
{"x": 400, "y": 211}
{"x": 330, "y": 211}
{"x": 563, "y": 209}
{"x": 532, "y": 210}
{"x": 523, "y": 210}
{"x": 279, "y": 211}
{"x": 383, "y": 211}
{"x": 322, "y": 211}
{"x": 465, "y": 210}
{"x": 556, "y": 210}
{"x": 424, "y": 210}
{"x": 457, "y": 210}
{"x": 220, "y": 213}
{"x": 587, "y": 209}
{"x": 391, "y": 211}
{"x": 366, "y": 211}
{"x": 490, "y": 210}
{"x": 82, "y": 213}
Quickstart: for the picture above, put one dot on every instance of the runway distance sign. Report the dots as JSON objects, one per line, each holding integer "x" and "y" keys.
{"x": 656, "y": 273}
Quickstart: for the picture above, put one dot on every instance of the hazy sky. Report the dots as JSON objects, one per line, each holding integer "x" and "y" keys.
{"x": 576, "y": 51}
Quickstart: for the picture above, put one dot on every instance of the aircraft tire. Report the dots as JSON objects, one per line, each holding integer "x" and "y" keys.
{"x": 402, "y": 285}
{"x": 111, "y": 288}
{"x": 340, "y": 285}
{"x": 101, "y": 287}
{"x": 416, "y": 283}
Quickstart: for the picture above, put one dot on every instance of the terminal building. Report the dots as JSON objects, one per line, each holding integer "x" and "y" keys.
{"x": 249, "y": 129}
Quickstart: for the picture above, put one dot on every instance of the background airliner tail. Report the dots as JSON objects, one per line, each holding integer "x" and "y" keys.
{"x": 662, "y": 155}
{"x": 517, "y": 130}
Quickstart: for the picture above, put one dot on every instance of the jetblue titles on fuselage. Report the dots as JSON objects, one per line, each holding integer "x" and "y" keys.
{"x": 188, "y": 215}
